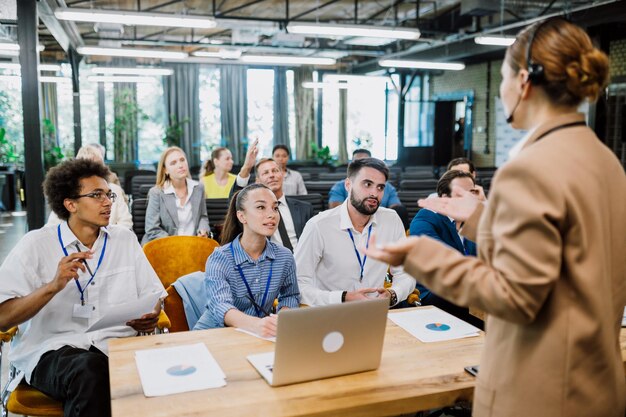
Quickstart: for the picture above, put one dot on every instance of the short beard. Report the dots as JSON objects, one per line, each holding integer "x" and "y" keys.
{"x": 361, "y": 207}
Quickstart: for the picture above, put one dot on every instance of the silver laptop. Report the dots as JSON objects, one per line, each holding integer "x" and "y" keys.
{"x": 320, "y": 342}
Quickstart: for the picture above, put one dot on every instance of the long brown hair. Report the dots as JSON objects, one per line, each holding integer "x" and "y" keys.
{"x": 232, "y": 225}
{"x": 162, "y": 176}
{"x": 573, "y": 68}
{"x": 209, "y": 167}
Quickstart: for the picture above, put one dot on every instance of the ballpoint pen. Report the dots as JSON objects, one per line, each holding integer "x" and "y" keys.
{"x": 258, "y": 307}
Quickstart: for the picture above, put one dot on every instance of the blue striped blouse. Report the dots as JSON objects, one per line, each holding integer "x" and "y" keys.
{"x": 226, "y": 290}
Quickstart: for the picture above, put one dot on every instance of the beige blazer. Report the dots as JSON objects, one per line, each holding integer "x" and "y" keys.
{"x": 551, "y": 275}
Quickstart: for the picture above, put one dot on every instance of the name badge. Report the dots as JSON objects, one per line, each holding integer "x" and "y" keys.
{"x": 83, "y": 311}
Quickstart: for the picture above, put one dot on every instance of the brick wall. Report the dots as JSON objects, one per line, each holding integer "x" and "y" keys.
{"x": 617, "y": 55}
{"x": 474, "y": 78}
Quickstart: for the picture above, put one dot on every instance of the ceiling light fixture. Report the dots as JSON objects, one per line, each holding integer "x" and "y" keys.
{"x": 287, "y": 60}
{"x": 125, "y": 79}
{"x": 494, "y": 40}
{"x": 324, "y": 30}
{"x": 132, "y": 71}
{"x": 222, "y": 54}
{"x": 42, "y": 67}
{"x": 130, "y": 18}
{"x": 135, "y": 53}
{"x": 54, "y": 80}
{"x": 395, "y": 63}
{"x": 13, "y": 49}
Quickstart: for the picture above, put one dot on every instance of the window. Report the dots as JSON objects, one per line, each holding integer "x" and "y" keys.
{"x": 65, "y": 114}
{"x": 152, "y": 120}
{"x": 292, "y": 113}
{"x": 210, "y": 113}
{"x": 11, "y": 113}
{"x": 419, "y": 114}
{"x": 365, "y": 122}
{"x": 391, "y": 126}
{"x": 260, "y": 89}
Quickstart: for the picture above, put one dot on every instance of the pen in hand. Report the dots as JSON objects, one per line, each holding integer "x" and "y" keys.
{"x": 257, "y": 306}
{"x": 84, "y": 261}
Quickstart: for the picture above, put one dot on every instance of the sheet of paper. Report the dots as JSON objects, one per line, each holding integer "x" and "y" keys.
{"x": 271, "y": 339}
{"x": 433, "y": 325}
{"x": 173, "y": 370}
{"x": 119, "y": 314}
{"x": 624, "y": 318}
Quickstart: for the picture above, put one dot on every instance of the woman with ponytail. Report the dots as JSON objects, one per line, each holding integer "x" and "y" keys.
{"x": 248, "y": 272}
{"x": 215, "y": 174}
{"x": 550, "y": 274}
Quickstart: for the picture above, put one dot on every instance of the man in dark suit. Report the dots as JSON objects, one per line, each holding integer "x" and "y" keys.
{"x": 293, "y": 213}
{"x": 446, "y": 230}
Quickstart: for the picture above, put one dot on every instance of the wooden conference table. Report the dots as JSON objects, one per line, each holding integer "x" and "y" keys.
{"x": 413, "y": 376}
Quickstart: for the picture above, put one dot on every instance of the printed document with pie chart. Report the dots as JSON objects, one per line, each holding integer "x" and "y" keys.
{"x": 178, "y": 369}
{"x": 433, "y": 325}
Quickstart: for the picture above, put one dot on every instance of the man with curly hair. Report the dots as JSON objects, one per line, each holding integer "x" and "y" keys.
{"x": 60, "y": 279}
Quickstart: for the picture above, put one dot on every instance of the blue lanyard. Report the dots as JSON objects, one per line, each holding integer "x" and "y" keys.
{"x": 80, "y": 288}
{"x": 245, "y": 281}
{"x": 367, "y": 245}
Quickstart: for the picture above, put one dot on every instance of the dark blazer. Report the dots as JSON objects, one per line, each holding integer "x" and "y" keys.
{"x": 162, "y": 215}
{"x": 301, "y": 212}
{"x": 440, "y": 228}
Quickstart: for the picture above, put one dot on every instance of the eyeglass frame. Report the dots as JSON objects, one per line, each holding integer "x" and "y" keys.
{"x": 110, "y": 195}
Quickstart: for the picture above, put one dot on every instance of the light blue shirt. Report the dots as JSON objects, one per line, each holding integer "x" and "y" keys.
{"x": 226, "y": 289}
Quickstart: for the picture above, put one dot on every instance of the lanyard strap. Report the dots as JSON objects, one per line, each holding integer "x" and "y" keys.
{"x": 80, "y": 288}
{"x": 367, "y": 245}
{"x": 245, "y": 281}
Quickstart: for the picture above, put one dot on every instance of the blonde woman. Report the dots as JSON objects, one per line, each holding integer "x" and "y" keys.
{"x": 176, "y": 203}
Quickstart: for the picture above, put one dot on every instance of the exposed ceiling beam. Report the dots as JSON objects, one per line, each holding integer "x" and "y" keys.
{"x": 321, "y": 6}
{"x": 65, "y": 33}
{"x": 159, "y": 6}
{"x": 240, "y": 7}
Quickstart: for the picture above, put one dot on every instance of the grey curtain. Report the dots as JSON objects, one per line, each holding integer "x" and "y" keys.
{"x": 281, "y": 108}
{"x": 342, "y": 154}
{"x": 125, "y": 113}
{"x": 49, "y": 107}
{"x": 234, "y": 109}
{"x": 181, "y": 91}
{"x": 305, "y": 113}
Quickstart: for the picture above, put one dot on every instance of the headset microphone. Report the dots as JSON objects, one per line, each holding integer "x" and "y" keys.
{"x": 510, "y": 118}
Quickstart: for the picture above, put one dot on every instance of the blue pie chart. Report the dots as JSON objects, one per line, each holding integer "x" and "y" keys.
{"x": 181, "y": 370}
{"x": 438, "y": 327}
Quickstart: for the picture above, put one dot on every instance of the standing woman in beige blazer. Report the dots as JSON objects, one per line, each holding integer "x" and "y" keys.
{"x": 550, "y": 274}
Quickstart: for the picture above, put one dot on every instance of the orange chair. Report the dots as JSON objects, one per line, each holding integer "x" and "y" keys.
{"x": 172, "y": 257}
{"x": 175, "y": 256}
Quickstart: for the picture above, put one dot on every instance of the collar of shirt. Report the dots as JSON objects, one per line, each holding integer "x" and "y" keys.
{"x": 169, "y": 188}
{"x": 283, "y": 201}
{"x": 242, "y": 256}
{"x": 345, "y": 222}
{"x": 69, "y": 238}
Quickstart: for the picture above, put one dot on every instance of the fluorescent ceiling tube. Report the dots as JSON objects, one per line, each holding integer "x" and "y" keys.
{"x": 42, "y": 67}
{"x": 132, "y": 71}
{"x": 287, "y": 60}
{"x": 494, "y": 40}
{"x": 123, "y": 79}
{"x": 135, "y": 18}
{"x": 222, "y": 53}
{"x": 395, "y": 63}
{"x": 135, "y": 53}
{"x": 13, "y": 49}
{"x": 324, "y": 30}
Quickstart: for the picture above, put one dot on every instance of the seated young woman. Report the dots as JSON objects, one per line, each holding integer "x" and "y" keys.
{"x": 248, "y": 272}
{"x": 176, "y": 203}
{"x": 215, "y": 174}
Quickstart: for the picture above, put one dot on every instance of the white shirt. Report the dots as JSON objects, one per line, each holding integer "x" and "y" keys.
{"x": 124, "y": 275}
{"x": 120, "y": 215}
{"x": 186, "y": 226}
{"x": 326, "y": 261}
{"x": 293, "y": 184}
{"x": 285, "y": 214}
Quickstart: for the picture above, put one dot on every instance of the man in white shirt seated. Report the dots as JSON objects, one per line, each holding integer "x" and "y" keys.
{"x": 330, "y": 266}
{"x": 60, "y": 279}
{"x": 293, "y": 213}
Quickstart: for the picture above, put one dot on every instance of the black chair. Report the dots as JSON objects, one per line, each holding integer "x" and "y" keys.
{"x": 138, "y": 212}
{"x": 216, "y": 209}
{"x": 316, "y": 200}
{"x": 144, "y": 189}
{"x": 429, "y": 185}
{"x": 128, "y": 176}
{"x": 417, "y": 175}
{"x": 409, "y": 200}
{"x": 139, "y": 180}
{"x": 320, "y": 187}
{"x": 332, "y": 176}
{"x": 306, "y": 176}
{"x": 314, "y": 171}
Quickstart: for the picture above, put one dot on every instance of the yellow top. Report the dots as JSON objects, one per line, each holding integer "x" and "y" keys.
{"x": 213, "y": 190}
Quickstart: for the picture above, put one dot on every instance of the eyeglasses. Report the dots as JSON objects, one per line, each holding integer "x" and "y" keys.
{"x": 99, "y": 195}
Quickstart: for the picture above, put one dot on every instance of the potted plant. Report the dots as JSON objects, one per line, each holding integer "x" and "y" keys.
{"x": 174, "y": 132}
{"x": 322, "y": 155}
{"x": 52, "y": 152}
